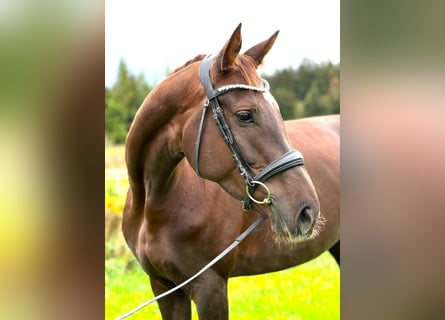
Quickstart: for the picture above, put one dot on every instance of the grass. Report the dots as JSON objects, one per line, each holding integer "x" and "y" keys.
{"x": 309, "y": 291}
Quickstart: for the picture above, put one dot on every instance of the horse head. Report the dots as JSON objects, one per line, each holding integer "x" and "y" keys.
{"x": 260, "y": 167}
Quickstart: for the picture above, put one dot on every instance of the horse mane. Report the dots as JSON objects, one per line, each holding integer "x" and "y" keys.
{"x": 199, "y": 57}
{"x": 244, "y": 65}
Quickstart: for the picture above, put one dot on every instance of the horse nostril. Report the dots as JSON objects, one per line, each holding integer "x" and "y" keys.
{"x": 305, "y": 217}
{"x": 305, "y": 220}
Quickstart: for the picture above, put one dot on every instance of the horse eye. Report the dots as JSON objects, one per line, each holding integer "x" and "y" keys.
{"x": 244, "y": 116}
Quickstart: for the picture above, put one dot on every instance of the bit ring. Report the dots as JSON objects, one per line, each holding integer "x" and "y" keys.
{"x": 266, "y": 200}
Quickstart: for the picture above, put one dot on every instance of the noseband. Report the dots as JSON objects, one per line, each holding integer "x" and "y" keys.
{"x": 288, "y": 160}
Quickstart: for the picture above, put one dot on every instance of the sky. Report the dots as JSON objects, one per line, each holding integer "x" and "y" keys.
{"x": 154, "y": 38}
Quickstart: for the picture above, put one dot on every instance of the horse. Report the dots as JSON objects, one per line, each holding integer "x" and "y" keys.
{"x": 204, "y": 163}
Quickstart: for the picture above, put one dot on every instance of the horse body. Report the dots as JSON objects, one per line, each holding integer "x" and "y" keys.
{"x": 175, "y": 222}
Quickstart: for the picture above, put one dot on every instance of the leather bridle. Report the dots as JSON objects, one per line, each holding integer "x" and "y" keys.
{"x": 288, "y": 160}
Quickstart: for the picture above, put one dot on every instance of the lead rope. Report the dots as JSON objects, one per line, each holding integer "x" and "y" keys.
{"x": 235, "y": 243}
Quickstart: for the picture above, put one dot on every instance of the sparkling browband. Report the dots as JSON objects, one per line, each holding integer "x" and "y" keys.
{"x": 228, "y": 87}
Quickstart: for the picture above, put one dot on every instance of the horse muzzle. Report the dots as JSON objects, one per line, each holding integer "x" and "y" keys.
{"x": 295, "y": 223}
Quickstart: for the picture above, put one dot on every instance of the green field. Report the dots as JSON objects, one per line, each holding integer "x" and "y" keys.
{"x": 309, "y": 291}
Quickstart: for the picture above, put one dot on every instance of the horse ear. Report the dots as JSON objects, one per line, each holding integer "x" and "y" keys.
{"x": 227, "y": 56}
{"x": 258, "y": 52}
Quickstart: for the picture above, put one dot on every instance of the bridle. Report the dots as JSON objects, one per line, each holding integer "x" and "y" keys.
{"x": 288, "y": 160}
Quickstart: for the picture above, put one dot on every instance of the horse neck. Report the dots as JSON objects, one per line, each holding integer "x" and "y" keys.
{"x": 153, "y": 146}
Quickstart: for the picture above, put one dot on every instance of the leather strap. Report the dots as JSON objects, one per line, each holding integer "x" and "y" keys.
{"x": 288, "y": 160}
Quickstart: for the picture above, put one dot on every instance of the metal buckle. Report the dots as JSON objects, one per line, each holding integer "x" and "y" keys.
{"x": 266, "y": 200}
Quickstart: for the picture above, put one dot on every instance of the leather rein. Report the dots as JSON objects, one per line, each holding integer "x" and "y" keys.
{"x": 288, "y": 160}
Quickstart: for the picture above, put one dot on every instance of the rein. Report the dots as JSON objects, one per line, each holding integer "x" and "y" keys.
{"x": 235, "y": 243}
{"x": 288, "y": 160}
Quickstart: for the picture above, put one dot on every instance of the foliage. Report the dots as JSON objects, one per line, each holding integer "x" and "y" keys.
{"x": 116, "y": 184}
{"x": 113, "y": 200}
{"x": 312, "y": 89}
{"x": 308, "y": 91}
{"x": 121, "y": 103}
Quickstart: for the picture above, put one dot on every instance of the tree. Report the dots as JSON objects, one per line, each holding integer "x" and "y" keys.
{"x": 308, "y": 91}
{"x": 122, "y": 101}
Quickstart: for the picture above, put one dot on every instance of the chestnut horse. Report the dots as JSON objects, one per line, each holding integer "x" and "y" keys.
{"x": 194, "y": 152}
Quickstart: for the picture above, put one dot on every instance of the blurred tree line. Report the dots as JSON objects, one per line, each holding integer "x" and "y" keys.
{"x": 122, "y": 101}
{"x": 312, "y": 89}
